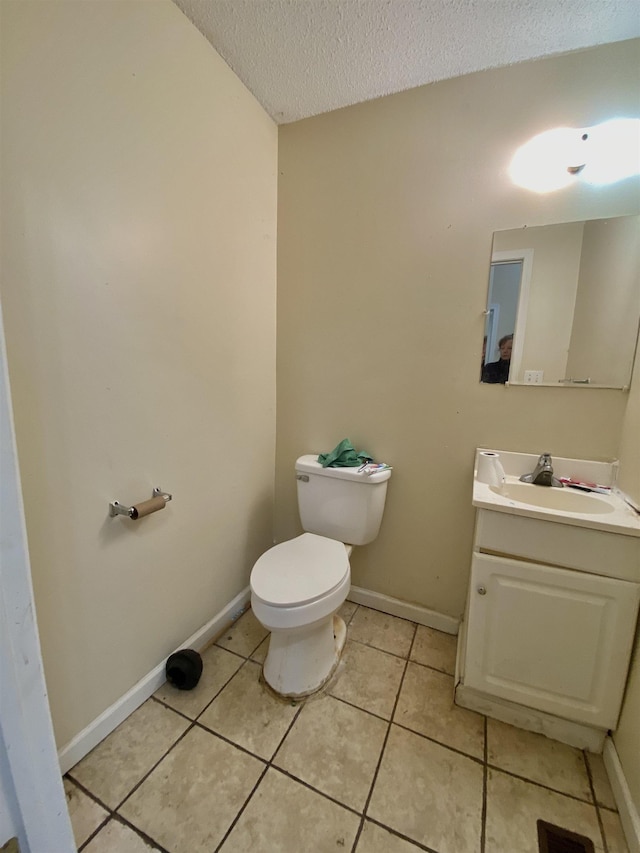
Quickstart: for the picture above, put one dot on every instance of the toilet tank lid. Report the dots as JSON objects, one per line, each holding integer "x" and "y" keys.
{"x": 309, "y": 465}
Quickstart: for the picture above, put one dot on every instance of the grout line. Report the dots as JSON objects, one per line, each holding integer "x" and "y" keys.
{"x": 348, "y": 621}
{"x": 231, "y": 743}
{"x": 86, "y": 791}
{"x": 98, "y": 829}
{"x": 589, "y": 776}
{"x": 147, "y": 838}
{"x": 149, "y": 772}
{"x": 239, "y": 654}
{"x": 232, "y": 625}
{"x": 232, "y": 651}
{"x": 398, "y": 834}
{"x": 411, "y": 645}
{"x": 241, "y": 810}
{"x": 440, "y": 743}
{"x": 378, "y": 649}
{"x": 310, "y": 787}
{"x": 227, "y": 682}
{"x": 384, "y": 743}
{"x": 358, "y": 708}
{"x": 435, "y": 669}
{"x": 195, "y": 719}
{"x": 111, "y": 815}
{"x": 595, "y": 801}
{"x": 171, "y": 708}
{"x": 404, "y": 657}
{"x": 286, "y": 734}
{"x": 539, "y": 784}
{"x": 269, "y": 764}
{"x": 194, "y": 724}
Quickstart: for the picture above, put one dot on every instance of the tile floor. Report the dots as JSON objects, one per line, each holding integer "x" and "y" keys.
{"x": 380, "y": 762}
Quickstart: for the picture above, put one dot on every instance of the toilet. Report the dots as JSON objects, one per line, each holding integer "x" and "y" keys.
{"x": 298, "y": 586}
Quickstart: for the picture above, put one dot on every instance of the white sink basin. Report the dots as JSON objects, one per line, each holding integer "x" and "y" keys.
{"x": 554, "y": 498}
{"x": 608, "y": 511}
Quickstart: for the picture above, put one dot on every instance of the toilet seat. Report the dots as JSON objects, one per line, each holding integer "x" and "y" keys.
{"x": 300, "y": 571}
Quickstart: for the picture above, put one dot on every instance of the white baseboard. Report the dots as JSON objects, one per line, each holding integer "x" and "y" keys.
{"x": 403, "y": 609}
{"x": 629, "y": 817}
{"x": 566, "y": 731}
{"x": 96, "y": 731}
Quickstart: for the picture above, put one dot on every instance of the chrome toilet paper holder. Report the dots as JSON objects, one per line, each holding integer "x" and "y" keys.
{"x": 140, "y": 510}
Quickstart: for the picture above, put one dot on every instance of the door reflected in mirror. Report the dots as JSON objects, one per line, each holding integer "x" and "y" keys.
{"x": 563, "y": 304}
{"x": 502, "y": 309}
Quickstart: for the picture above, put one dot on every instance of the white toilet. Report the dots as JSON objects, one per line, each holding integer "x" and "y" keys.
{"x": 298, "y": 587}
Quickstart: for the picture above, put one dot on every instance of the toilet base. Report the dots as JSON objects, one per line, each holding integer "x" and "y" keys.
{"x": 300, "y": 661}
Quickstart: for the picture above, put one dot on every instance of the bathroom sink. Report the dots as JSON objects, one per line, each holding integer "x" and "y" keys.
{"x": 502, "y": 490}
{"x": 553, "y": 498}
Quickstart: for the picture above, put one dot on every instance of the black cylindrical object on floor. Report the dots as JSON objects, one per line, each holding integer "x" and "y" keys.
{"x": 184, "y": 669}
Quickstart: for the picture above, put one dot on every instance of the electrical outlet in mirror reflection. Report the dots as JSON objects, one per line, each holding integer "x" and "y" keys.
{"x": 533, "y": 377}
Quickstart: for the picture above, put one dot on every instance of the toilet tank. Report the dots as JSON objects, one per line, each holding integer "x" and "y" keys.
{"x": 340, "y": 503}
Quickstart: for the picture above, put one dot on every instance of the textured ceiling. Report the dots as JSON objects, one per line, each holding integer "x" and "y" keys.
{"x": 305, "y": 57}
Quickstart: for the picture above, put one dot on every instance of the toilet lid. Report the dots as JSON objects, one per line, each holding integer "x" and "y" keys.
{"x": 299, "y": 571}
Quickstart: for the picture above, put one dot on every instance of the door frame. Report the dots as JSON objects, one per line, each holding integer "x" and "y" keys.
{"x": 26, "y": 731}
{"x": 526, "y": 257}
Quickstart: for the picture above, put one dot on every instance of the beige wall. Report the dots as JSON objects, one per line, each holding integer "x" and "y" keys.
{"x": 386, "y": 213}
{"x": 138, "y": 286}
{"x": 627, "y": 736}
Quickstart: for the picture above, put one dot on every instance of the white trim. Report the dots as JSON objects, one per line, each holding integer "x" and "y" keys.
{"x": 629, "y": 817}
{"x": 403, "y": 609}
{"x": 566, "y": 731}
{"x": 70, "y": 754}
{"x": 96, "y": 731}
{"x": 31, "y": 784}
{"x": 491, "y": 331}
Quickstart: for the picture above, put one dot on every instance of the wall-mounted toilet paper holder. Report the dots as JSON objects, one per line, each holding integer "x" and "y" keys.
{"x": 158, "y": 501}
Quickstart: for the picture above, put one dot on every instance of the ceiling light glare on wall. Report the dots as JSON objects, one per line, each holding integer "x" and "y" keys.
{"x": 598, "y": 155}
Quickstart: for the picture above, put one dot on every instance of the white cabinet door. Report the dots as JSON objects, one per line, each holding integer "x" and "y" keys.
{"x": 552, "y": 639}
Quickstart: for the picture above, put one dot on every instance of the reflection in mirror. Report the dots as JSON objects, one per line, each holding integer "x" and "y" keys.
{"x": 502, "y": 309}
{"x": 569, "y": 295}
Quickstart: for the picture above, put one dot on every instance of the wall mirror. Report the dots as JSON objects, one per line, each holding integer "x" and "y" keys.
{"x": 564, "y": 304}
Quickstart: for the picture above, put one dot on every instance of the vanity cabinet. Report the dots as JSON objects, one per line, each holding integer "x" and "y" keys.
{"x": 548, "y": 638}
{"x": 551, "y": 628}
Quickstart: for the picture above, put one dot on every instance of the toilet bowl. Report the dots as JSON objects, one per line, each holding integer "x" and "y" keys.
{"x": 297, "y": 588}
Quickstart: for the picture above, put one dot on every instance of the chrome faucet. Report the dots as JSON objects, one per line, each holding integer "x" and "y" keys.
{"x": 542, "y": 474}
